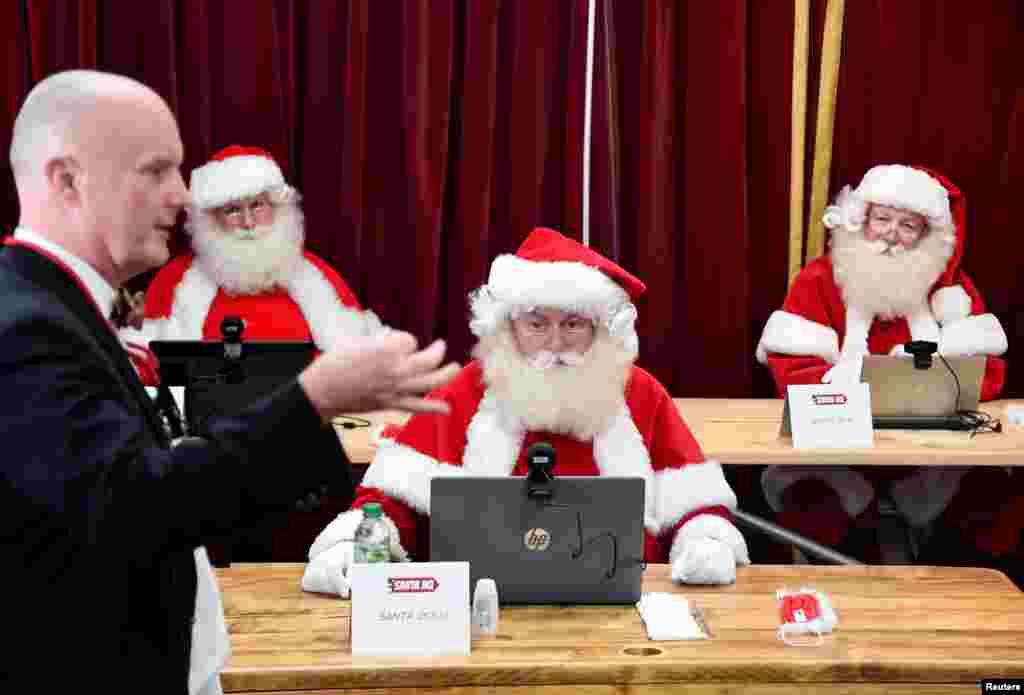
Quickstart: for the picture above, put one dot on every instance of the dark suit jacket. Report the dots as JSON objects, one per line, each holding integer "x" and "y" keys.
{"x": 99, "y": 516}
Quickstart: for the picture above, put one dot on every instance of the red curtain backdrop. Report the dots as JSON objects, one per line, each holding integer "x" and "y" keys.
{"x": 429, "y": 136}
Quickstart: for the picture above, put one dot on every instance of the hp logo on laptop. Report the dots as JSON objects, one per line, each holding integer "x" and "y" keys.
{"x": 537, "y": 539}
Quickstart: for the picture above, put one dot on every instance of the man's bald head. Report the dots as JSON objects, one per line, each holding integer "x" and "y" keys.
{"x": 59, "y": 111}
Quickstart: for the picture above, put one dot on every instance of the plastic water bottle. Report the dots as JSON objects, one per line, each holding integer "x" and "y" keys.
{"x": 485, "y": 608}
{"x": 373, "y": 538}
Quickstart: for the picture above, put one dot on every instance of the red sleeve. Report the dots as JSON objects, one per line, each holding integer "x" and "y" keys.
{"x": 424, "y": 441}
{"x": 672, "y": 446}
{"x": 809, "y": 297}
{"x": 160, "y": 293}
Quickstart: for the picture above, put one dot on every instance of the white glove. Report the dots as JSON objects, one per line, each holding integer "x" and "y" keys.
{"x": 704, "y": 561}
{"x": 846, "y": 371}
{"x": 899, "y": 351}
{"x": 332, "y": 551}
{"x": 706, "y": 550}
{"x": 328, "y": 572}
{"x": 975, "y": 335}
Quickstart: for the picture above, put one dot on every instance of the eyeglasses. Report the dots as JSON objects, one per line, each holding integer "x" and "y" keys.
{"x": 257, "y": 209}
{"x": 906, "y": 228}
{"x": 538, "y": 326}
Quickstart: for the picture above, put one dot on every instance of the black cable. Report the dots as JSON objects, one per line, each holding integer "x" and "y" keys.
{"x": 974, "y": 420}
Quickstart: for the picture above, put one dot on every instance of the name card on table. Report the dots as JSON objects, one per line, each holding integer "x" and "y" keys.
{"x": 419, "y": 608}
{"x": 828, "y": 416}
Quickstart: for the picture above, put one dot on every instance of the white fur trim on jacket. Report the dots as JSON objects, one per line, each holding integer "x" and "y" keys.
{"x": 680, "y": 491}
{"x": 792, "y": 334}
{"x": 619, "y": 451}
{"x": 330, "y": 322}
{"x": 950, "y": 304}
{"x": 191, "y": 303}
{"x": 974, "y": 335}
{"x": 219, "y": 182}
{"x": 710, "y": 526}
{"x": 925, "y": 494}
{"x": 854, "y": 491}
{"x": 493, "y": 441}
{"x": 403, "y": 473}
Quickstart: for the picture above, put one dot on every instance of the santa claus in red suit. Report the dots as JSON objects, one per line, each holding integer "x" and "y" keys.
{"x": 892, "y": 275}
{"x": 554, "y": 363}
{"x": 248, "y": 260}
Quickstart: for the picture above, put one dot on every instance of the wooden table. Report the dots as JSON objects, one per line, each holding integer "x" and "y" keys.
{"x": 912, "y": 630}
{"x": 740, "y": 431}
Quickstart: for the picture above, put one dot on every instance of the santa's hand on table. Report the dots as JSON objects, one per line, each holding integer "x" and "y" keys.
{"x": 332, "y": 551}
{"x": 707, "y": 550}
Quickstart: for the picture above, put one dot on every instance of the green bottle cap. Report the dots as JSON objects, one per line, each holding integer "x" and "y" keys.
{"x": 372, "y": 510}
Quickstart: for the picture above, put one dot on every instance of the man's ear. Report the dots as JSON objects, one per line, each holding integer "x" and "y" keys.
{"x": 62, "y": 177}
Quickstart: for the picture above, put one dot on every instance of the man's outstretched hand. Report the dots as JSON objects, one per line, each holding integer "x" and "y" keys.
{"x": 377, "y": 373}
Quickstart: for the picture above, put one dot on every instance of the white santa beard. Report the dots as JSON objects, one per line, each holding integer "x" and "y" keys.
{"x": 250, "y": 266}
{"x": 578, "y": 401}
{"x": 886, "y": 285}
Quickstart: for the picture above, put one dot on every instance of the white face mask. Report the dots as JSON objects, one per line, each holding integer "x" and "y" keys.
{"x": 545, "y": 359}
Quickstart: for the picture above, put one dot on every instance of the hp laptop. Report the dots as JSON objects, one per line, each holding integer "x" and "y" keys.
{"x": 583, "y": 543}
{"x": 903, "y": 396}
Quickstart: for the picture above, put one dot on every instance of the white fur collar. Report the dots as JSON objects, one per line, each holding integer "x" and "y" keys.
{"x": 328, "y": 319}
{"x": 494, "y": 440}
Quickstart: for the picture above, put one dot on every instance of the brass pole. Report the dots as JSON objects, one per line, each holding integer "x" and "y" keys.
{"x": 797, "y": 127}
{"x": 831, "y": 48}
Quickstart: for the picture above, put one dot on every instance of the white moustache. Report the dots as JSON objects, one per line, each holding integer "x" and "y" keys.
{"x": 884, "y": 248}
{"x": 545, "y": 359}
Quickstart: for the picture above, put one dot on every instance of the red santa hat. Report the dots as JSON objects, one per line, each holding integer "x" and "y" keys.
{"x": 552, "y": 270}
{"x": 233, "y": 173}
{"x": 915, "y": 188}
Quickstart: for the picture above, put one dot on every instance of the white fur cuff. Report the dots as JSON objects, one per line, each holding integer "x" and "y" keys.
{"x": 710, "y": 526}
{"x": 792, "y": 334}
{"x": 974, "y": 335}
{"x": 950, "y": 304}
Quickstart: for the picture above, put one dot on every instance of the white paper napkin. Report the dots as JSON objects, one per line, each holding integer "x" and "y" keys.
{"x": 668, "y": 617}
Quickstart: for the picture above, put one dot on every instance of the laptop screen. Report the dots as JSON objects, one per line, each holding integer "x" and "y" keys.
{"x": 214, "y": 384}
{"x": 583, "y": 545}
{"x": 898, "y": 388}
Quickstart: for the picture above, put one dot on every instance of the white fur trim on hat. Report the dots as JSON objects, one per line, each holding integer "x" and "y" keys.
{"x": 975, "y": 335}
{"x": 402, "y": 472}
{"x": 516, "y": 284}
{"x": 950, "y": 304}
{"x": 792, "y": 334}
{"x": 219, "y": 182}
{"x": 907, "y": 188}
{"x": 710, "y": 526}
{"x": 854, "y": 491}
{"x": 898, "y": 186}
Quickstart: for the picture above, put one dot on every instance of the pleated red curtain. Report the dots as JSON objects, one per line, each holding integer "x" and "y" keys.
{"x": 429, "y": 136}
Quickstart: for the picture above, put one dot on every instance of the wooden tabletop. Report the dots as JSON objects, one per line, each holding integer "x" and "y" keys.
{"x": 901, "y": 629}
{"x": 740, "y": 431}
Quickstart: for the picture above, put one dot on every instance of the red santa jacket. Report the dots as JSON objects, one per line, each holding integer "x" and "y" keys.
{"x": 184, "y": 303}
{"x": 649, "y": 439}
{"x": 801, "y": 342}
